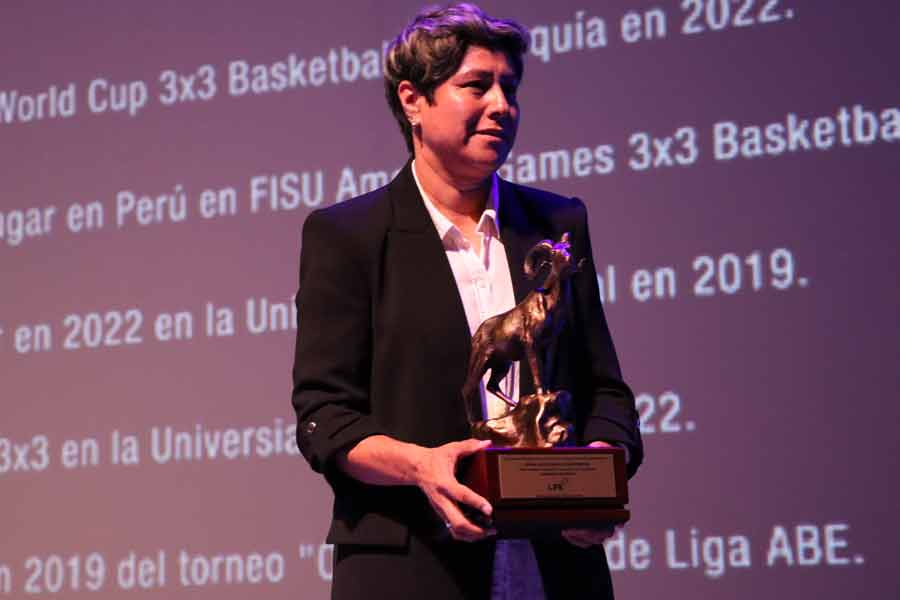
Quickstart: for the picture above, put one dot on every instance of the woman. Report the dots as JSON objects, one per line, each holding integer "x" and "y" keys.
{"x": 393, "y": 284}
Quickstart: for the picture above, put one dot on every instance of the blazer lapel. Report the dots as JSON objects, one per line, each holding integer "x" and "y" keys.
{"x": 417, "y": 248}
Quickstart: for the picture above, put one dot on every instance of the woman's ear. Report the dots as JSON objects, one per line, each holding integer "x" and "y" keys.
{"x": 409, "y": 99}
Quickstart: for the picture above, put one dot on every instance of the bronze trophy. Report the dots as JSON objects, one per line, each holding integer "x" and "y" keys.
{"x": 536, "y": 483}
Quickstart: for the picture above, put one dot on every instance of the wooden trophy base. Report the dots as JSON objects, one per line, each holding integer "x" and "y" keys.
{"x": 537, "y": 492}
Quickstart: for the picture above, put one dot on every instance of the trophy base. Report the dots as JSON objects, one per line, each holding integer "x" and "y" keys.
{"x": 538, "y": 523}
{"x": 537, "y": 492}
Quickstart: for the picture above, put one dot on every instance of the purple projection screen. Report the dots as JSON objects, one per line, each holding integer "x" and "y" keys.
{"x": 739, "y": 162}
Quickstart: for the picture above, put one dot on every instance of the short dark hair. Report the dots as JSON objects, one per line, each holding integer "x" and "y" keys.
{"x": 430, "y": 49}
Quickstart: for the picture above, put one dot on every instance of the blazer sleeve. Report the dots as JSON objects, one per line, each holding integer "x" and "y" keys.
{"x": 332, "y": 360}
{"x": 612, "y": 416}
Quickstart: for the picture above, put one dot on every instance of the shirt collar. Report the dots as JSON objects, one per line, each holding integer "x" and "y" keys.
{"x": 488, "y": 224}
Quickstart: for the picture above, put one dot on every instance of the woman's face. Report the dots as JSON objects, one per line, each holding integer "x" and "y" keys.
{"x": 470, "y": 127}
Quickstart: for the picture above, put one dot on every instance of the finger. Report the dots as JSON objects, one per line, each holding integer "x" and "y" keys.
{"x": 598, "y": 536}
{"x": 589, "y": 537}
{"x": 577, "y": 537}
{"x": 607, "y": 532}
{"x": 458, "y": 525}
{"x": 465, "y": 530}
{"x": 470, "y": 446}
{"x": 598, "y": 532}
{"x": 600, "y": 444}
{"x": 573, "y": 537}
{"x": 450, "y": 498}
{"x": 465, "y": 495}
{"x": 456, "y": 492}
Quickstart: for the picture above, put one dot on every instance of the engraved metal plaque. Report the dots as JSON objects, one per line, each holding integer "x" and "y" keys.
{"x": 554, "y": 476}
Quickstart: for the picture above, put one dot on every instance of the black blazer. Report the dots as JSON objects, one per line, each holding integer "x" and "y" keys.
{"x": 383, "y": 344}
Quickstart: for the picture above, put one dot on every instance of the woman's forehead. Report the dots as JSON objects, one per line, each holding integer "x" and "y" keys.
{"x": 479, "y": 60}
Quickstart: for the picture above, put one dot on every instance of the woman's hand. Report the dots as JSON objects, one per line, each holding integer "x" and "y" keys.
{"x": 585, "y": 538}
{"x": 382, "y": 460}
{"x": 435, "y": 474}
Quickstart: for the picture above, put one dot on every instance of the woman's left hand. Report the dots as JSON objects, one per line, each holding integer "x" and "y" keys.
{"x": 585, "y": 538}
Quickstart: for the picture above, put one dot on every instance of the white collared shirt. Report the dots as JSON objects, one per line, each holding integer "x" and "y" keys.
{"x": 485, "y": 288}
{"x": 483, "y": 280}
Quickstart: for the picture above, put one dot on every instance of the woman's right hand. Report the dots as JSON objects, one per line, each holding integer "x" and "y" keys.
{"x": 435, "y": 474}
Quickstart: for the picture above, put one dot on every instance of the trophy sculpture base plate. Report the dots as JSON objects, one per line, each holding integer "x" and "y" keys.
{"x": 537, "y": 492}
